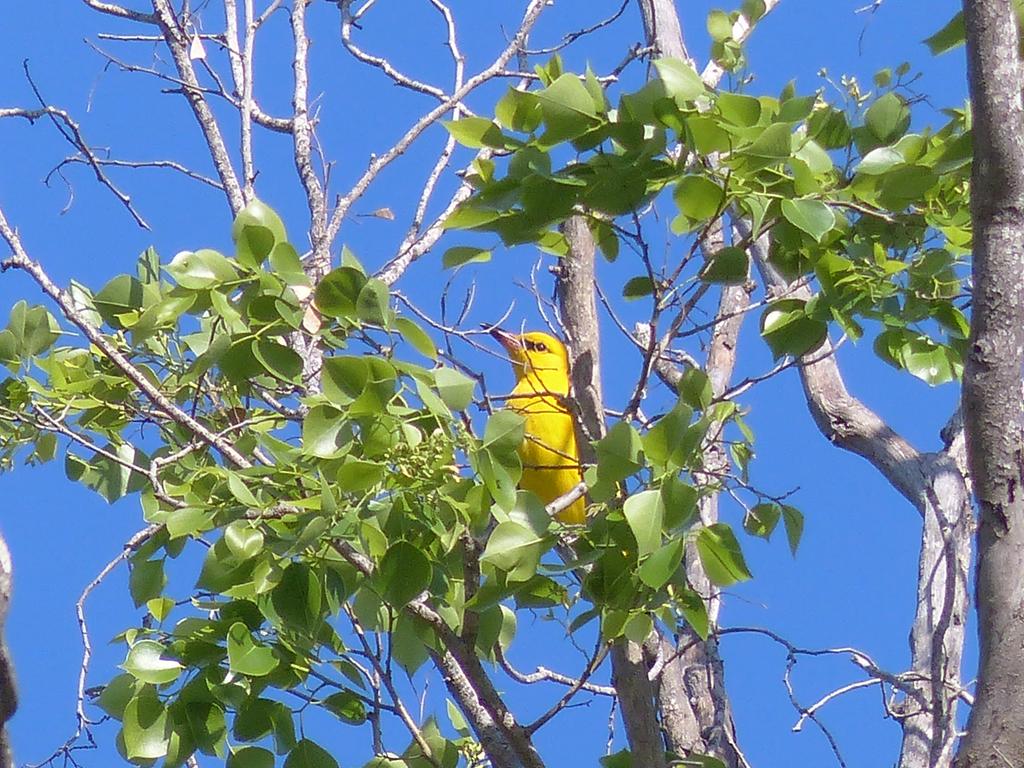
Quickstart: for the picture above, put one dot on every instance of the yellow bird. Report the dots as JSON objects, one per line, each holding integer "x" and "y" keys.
{"x": 551, "y": 463}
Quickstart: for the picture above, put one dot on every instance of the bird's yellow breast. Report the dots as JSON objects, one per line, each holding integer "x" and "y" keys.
{"x": 550, "y": 456}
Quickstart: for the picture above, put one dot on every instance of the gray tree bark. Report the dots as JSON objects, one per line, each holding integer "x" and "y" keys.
{"x": 8, "y": 693}
{"x": 578, "y": 301}
{"x": 992, "y": 397}
{"x": 936, "y": 485}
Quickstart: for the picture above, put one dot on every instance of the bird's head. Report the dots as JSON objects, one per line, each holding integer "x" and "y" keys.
{"x": 533, "y": 351}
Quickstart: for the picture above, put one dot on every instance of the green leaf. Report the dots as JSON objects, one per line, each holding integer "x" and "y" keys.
{"x": 567, "y": 108}
{"x": 456, "y": 257}
{"x": 251, "y": 757}
{"x": 796, "y": 109}
{"x": 739, "y": 109}
{"x": 793, "y": 520}
{"x": 788, "y": 330}
{"x": 116, "y": 695}
{"x": 879, "y": 160}
{"x": 928, "y": 360}
{"x": 695, "y": 389}
{"x": 347, "y": 706}
{"x": 122, "y": 294}
{"x": 694, "y": 611}
{"x": 719, "y": 26}
{"x": 160, "y": 608}
{"x": 404, "y": 573}
{"x": 518, "y": 111}
{"x": 638, "y": 628}
{"x": 241, "y": 491}
{"x": 287, "y": 264}
{"x": 298, "y": 599}
{"x": 515, "y": 549}
{"x": 145, "y": 662}
{"x": 663, "y": 563}
{"x": 504, "y": 433}
{"x": 309, "y": 754}
{"x": 337, "y": 293}
{"x": 728, "y": 266}
{"x": 197, "y": 725}
{"x": 698, "y": 197}
{"x": 259, "y": 214}
{"x": 356, "y": 475}
{"x": 144, "y": 727}
{"x": 761, "y": 520}
{"x": 720, "y": 554}
{"x": 682, "y": 82}
{"x": 454, "y": 387}
{"x": 952, "y": 35}
{"x": 258, "y": 718}
{"x": 372, "y": 302}
{"x": 637, "y": 287}
{"x": 476, "y": 132}
{"x": 417, "y": 337}
{"x": 246, "y": 657}
{"x": 279, "y": 361}
{"x": 9, "y": 350}
{"x": 325, "y": 432}
{"x": 34, "y": 329}
{"x": 618, "y": 453}
{"x": 774, "y": 143}
{"x": 645, "y": 512}
{"x": 407, "y": 647}
{"x": 811, "y": 216}
{"x": 680, "y": 502}
{"x": 815, "y": 156}
{"x": 606, "y": 238}
{"x": 500, "y": 474}
{"x": 189, "y": 521}
{"x": 754, "y": 9}
{"x": 200, "y": 269}
{"x": 254, "y": 244}
{"x": 888, "y": 118}
{"x": 621, "y": 759}
{"x": 147, "y": 581}
{"x": 905, "y": 186}
{"x": 666, "y": 442}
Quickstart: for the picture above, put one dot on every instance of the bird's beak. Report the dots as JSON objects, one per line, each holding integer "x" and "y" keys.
{"x": 509, "y": 341}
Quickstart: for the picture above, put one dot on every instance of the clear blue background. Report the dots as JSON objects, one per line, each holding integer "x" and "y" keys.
{"x": 852, "y": 582}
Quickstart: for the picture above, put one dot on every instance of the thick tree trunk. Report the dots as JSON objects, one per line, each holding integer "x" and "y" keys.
{"x": 992, "y": 383}
{"x": 577, "y": 297}
{"x": 8, "y": 696}
{"x": 664, "y": 32}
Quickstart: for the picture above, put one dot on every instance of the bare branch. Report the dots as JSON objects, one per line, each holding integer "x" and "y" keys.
{"x": 121, "y": 12}
{"x": 72, "y": 133}
{"x": 380, "y": 62}
{"x": 545, "y": 675}
{"x": 177, "y": 42}
{"x": 302, "y": 133}
{"x": 165, "y": 164}
{"x": 378, "y": 163}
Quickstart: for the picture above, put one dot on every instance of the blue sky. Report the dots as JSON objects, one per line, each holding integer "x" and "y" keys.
{"x": 852, "y": 582}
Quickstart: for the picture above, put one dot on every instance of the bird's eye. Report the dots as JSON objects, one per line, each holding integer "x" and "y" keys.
{"x": 540, "y": 346}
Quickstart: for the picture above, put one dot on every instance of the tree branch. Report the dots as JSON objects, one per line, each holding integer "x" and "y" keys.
{"x": 21, "y": 260}
{"x": 992, "y": 401}
{"x": 176, "y": 41}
